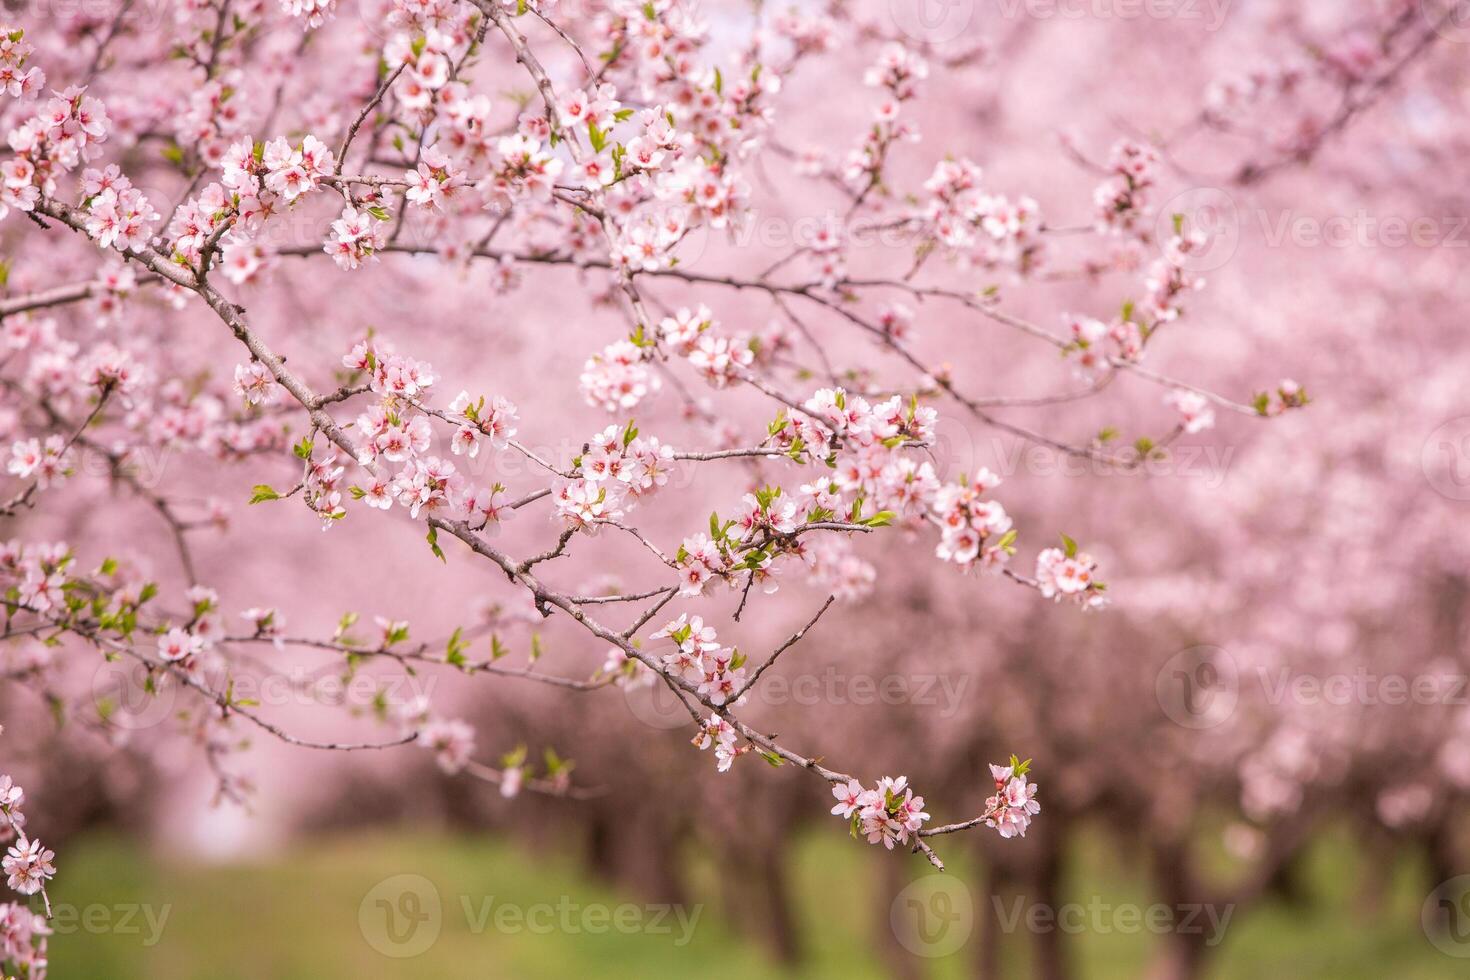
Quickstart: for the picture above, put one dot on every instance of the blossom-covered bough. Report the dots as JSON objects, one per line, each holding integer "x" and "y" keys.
{"x": 631, "y": 140}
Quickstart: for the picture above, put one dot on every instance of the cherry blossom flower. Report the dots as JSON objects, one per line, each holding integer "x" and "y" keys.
{"x": 452, "y": 742}
{"x": 29, "y": 866}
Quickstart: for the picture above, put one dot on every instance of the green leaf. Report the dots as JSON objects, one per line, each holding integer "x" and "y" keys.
{"x": 455, "y": 654}
{"x": 433, "y": 539}
{"x": 597, "y": 137}
{"x": 262, "y": 493}
{"x": 1070, "y": 545}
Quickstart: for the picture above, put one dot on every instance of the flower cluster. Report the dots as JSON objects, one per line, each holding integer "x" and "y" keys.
{"x": 617, "y": 470}
{"x": 435, "y": 180}
{"x": 695, "y": 335}
{"x": 23, "y": 935}
{"x": 721, "y": 734}
{"x": 1195, "y": 412}
{"x": 28, "y": 865}
{"x": 357, "y": 235}
{"x": 898, "y": 71}
{"x": 1122, "y": 201}
{"x": 214, "y": 113}
{"x": 524, "y": 168}
{"x": 118, "y": 215}
{"x": 974, "y": 530}
{"x": 618, "y": 378}
{"x": 69, "y": 129}
{"x": 699, "y": 658}
{"x": 49, "y": 461}
{"x": 451, "y": 740}
{"x": 1010, "y": 810}
{"x": 1170, "y": 278}
{"x": 887, "y": 814}
{"x": 990, "y": 228}
{"x": 16, "y": 80}
{"x": 1066, "y": 573}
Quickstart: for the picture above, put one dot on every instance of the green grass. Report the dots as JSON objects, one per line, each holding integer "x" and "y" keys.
{"x": 296, "y": 917}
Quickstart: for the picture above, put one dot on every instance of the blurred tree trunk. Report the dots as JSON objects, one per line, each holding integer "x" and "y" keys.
{"x": 1286, "y": 884}
{"x": 902, "y": 965}
{"x": 617, "y": 850}
{"x": 774, "y": 885}
{"x": 1181, "y": 953}
{"x": 1001, "y": 887}
{"x": 1050, "y": 944}
{"x": 1375, "y": 874}
{"x": 1181, "y": 957}
{"x": 1443, "y": 854}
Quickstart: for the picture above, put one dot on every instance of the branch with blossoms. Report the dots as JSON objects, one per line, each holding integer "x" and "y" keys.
{"x": 1290, "y": 110}
{"x": 606, "y": 172}
{"x": 28, "y": 865}
{"x": 111, "y": 610}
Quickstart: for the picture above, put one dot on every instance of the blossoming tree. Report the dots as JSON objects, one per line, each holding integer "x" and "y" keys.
{"x": 177, "y": 195}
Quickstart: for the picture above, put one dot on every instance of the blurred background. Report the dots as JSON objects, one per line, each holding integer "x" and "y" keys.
{"x": 1255, "y": 762}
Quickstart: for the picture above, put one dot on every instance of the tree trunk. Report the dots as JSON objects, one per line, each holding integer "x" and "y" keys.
{"x": 780, "y": 915}
{"x": 902, "y": 965}
{"x": 1001, "y": 885}
{"x": 1050, "y": 944}
{"x": 1180, "y": 957}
